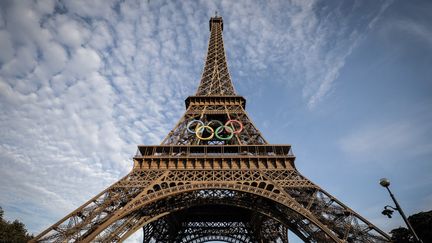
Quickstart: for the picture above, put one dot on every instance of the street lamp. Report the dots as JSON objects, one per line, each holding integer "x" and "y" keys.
{"x": 388, "y": 212}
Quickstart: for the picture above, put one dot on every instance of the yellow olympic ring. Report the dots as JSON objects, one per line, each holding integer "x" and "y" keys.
{"x": 200, "y": 129}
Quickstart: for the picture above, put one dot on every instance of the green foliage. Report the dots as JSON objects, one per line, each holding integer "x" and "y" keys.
{"x": 422, "y": 224}
{"x": 401, "y": 235}
{"x": 12, "y": 232}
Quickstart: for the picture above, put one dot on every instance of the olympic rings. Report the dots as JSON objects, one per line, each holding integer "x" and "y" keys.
{"x": 200, "y": 127}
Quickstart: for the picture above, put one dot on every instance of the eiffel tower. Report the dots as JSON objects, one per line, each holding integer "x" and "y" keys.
{"x": 214, "y": 178}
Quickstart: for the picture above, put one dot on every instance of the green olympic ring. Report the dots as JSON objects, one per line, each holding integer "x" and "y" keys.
{"x": 201, "y": 127}
{"x": 218, "y": 130}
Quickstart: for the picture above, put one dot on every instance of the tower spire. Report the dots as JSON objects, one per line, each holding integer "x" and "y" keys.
{"x": 215, "y": 79}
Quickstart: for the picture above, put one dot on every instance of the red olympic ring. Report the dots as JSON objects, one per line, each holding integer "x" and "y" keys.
{"x": 232, "y": 126}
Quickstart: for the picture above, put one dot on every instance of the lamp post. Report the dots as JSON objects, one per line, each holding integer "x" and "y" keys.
{"x": 384, "y": 182}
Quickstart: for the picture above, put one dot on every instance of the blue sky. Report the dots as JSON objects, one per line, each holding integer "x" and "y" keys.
{"x": 347, "y": 83}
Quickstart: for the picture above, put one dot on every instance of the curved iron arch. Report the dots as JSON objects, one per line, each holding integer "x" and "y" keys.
{"x": 288, "y": 216}
{"x": 227, "y": 239}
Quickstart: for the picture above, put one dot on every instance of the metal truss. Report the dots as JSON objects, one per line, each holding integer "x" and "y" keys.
{"x": 146, "y": 196}
{"x": 215, "y": 79}
{"x": 237, "y": 188}
{"x": 203, "y": 112}
{"x": 207, "y": 231}
{"x": 235, "y": 232}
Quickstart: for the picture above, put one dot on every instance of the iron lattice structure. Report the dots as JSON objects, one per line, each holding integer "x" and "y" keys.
{"x": 214, "y": 177}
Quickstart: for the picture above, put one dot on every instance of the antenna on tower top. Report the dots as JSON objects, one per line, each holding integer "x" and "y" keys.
{"x": 216, "y": 13}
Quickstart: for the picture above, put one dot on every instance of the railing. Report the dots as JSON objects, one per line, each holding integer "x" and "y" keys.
{"x": 214, "y": 151}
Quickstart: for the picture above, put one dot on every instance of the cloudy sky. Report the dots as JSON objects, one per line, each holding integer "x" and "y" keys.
{"x": 347, "y": 83}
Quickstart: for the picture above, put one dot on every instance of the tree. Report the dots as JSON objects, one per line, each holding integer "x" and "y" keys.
{"x": 422, "y": 224}
{"x": 401, "y": 235}
{"x": 12, "y": 232}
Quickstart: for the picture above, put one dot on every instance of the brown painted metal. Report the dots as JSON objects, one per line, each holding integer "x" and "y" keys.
{"x": 192, "y": 190}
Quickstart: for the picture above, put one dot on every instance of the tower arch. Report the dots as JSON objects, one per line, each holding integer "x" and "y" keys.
{"x": 249, "y": 206}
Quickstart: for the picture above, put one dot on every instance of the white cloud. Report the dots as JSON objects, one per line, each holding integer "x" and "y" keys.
{"x": 308, "y": 43}
{"x": 70, "y": 32}
{"x": 101, "y": 35}
{"x": 45, "y": 7}
{"x": 386, "y": 138}
{"x": 23, "y": 63}
{"x": 83, "y": 62}
{"x": 93, "y": 9}
{"x": 423, "y": 32}
{"x": 6, "y": 47}
{"x": 135, "y": 238}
